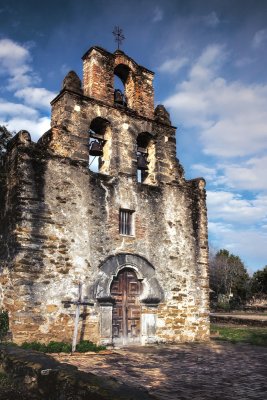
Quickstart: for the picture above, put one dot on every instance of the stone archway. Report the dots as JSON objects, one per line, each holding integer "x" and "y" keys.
{"x": 151, "y": 295}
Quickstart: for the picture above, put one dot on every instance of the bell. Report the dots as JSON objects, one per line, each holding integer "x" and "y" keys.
{"x": 141, "y": 162}
{"x": 118, "y": 96}
{"x": 96, "y": 149}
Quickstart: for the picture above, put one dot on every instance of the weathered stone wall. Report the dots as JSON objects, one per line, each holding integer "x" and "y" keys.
{"x": 71, "y": 226}
{"x": 66, "y": 224}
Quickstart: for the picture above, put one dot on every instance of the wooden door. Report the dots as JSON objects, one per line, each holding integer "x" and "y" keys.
{"x": 125, "y": 290}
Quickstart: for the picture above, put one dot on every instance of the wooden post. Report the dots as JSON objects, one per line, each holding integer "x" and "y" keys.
{"x": 77, "y": 317}
{"x": 78, "y": 303}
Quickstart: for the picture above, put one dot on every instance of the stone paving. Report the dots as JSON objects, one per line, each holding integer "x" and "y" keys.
{"x": 211, "y": 371}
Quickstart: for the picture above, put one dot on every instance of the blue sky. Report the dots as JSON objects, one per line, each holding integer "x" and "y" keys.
{"x": 209, "y": 59}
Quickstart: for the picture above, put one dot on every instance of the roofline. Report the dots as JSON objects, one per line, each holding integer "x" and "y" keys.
{"x": 102, "y": 103}
{"x": 107, "y": 53}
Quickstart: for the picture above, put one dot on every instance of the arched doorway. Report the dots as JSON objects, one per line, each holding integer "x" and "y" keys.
{"x": 125, "y": 291}
{"x": 150, "y": 296}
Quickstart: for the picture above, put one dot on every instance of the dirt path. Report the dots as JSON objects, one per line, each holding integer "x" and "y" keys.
{"x": 255, "y": 317}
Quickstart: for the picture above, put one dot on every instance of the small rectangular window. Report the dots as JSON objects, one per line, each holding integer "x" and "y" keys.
{"x": 126, "y": 222}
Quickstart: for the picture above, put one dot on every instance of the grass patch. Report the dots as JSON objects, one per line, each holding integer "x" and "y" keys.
{"x": 240, "y": 334}
{"x": 62, "y": 347}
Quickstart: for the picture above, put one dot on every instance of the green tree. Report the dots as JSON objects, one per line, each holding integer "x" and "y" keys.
{"x": 4, "y": 324}
{"x": 229, "y": 280}
{"x": 5, "y": 136}
{"x": 259, "y": 282}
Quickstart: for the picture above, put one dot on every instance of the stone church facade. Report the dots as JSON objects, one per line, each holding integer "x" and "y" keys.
{"x": 126, "y": 224}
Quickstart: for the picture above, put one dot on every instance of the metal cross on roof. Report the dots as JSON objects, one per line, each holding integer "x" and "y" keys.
{"x": 118, "y": 35}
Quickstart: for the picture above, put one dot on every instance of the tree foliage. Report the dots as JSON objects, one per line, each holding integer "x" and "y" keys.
{"x": 5, "y": 136}
{"x": 4, "y": 324}
{"x": 259, "y": 282}
{"x": 229, "y": 280}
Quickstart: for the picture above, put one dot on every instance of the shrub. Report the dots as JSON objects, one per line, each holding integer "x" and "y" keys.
{"x": 62, "y": 347}
{"x": 4, "y": 324}
{"x": 34, "y": 346}
{"x": 86, "y": 345}
{"x": 58, "y": 347}
{"x": 223, "y": 306}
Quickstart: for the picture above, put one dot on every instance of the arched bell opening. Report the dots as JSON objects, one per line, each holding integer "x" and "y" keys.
{"x": 119, "y": 95}
{"x": 99, "y": 145}
{"x": 146, "y": 160}
{"x": 125, "y": 292}
{"x": 123, "y": 86}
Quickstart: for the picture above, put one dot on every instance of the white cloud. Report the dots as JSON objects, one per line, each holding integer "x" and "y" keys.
{"x": 36, "y": 126}
{"x": 13, "y": 109}
{"x": 211, "y": 19}
{"x": 36, "y": 97}
{"x": 19, "y": 116}
{"x": 21, "y": 80}
{"x": 13, "y": 56}
{"x": 207, "y": 172}
{"x": 231, "y": 116}
{"x": 15, "y": 68}
{"x": 229, "y": 119}
{"x": 248, "y": 175}
{"x": 208, "y": 62}
{"x": 232, "y": 208}
{"x": 173, "y": 65}
{"x": 259, "y": 38}
{"x": 15, "y": 63}
{"x": 157, "y": 14}
{"x": 219, "y": 228}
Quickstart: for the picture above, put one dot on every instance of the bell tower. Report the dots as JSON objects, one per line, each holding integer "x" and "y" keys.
{"x": 117, "y": 210}
{"x": 99, "y": 69}
{"x": 140, "y": 143}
